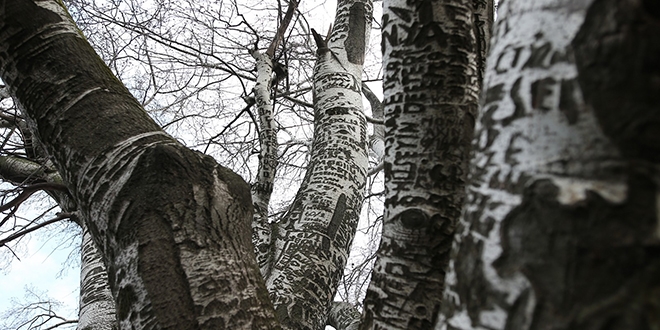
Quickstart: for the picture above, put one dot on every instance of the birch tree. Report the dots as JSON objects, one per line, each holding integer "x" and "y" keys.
{"x": 560, "y": 224}
{"x": 431, "y": 89}
{"x": 560, "y": 229}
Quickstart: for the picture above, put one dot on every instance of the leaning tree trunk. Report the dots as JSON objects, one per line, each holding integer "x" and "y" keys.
{"x": 561, "y": 225}
{"x": 431, "y": 91}
{"x": 173, "y": 226}
{"x": 311, "y": 243}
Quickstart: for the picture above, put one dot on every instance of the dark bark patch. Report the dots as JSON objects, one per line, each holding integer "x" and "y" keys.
{"x": 355, "y": 41}
{"x": 567, "y": 101}
{"x": 337, "y": 217}
{"x": 617, "y": 52}
{"x": 586, "y": 262}
{"x": 413, "y": 219}
{"x": 125, "y": 300}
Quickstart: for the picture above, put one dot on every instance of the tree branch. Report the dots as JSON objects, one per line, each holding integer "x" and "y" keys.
{"x": 29, "y": 190}
{"x": 60, "y": 216}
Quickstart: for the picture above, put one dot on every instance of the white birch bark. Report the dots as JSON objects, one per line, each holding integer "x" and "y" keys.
{"x": 262, "y": 188}
{"x": 558, "y": 231}
{"x": 312, "y": 241}
{"x": 97, "y": 307}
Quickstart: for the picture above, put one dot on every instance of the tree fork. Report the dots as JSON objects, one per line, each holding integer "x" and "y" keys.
{"x": 148, "y": 200}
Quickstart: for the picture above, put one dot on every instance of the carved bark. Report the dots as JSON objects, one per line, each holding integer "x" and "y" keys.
{"x": 313, "y": 240}
{"x": 262, "y": 188}
{"x": 161, "y": 213}
{"x": 343, "y": 316}
{"x": 561, "y": 224}
{"x": 431, "y": 91}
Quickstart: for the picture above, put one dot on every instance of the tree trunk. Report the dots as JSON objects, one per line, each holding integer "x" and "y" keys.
{"x": 262, "y": 188}
{"x": 431, "y": 91}
{"x": 313, "y": 240}
{"x": 561, "y": 225}
{"x": 173, "y": 225}
{"x": 97, "y": 306}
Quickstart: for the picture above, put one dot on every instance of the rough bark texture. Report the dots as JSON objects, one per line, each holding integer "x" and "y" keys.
{"x": 482, "y": 26}
{"x": 561, "y": 225}
{"x": 313, "y": 240}
{"x": 430, "y": 93}
{"x": 173, "y": 225}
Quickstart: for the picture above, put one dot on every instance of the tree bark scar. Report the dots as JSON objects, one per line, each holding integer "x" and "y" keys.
{"x": 617, "y": 51}
{"x": 337, "y": 218}
{"x": 354, "y": 43}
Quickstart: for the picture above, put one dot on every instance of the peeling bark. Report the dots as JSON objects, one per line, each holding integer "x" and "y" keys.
{"x": 560, "y": 227}
{"x": 159, "y": 212}
{"x": 313, "y": 240}
{"x": 431, "y": 91}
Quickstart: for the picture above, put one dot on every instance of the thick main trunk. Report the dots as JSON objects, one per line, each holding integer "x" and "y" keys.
{"x": 561, "y": 224}
{"x": 431, "y": 91}
{"x": 313, "y": 239}
{"x": 173, "y": 225}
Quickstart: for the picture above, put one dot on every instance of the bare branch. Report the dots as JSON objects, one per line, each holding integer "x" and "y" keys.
{"x": 60, "y": 216}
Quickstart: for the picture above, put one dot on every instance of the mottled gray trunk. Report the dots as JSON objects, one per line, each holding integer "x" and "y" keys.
{"x": 431, "y": 91}
{"x": 561, "y": 225}
{"x": 173, "y": 226}
{"x": 97, "y": 307}
{"x": 312, "y": 241}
